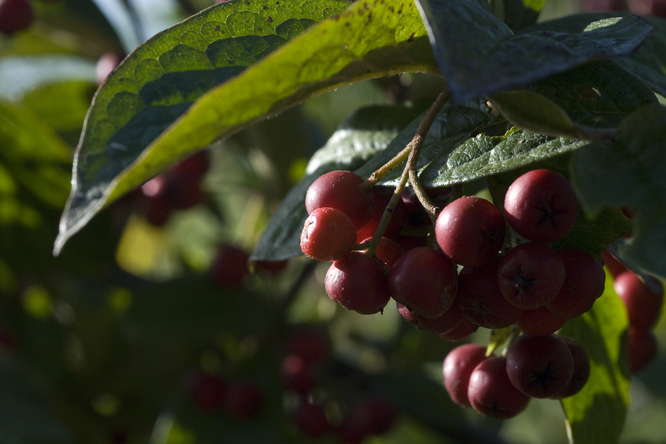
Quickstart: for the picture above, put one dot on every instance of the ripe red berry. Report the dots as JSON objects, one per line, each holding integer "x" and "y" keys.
{"x": 481, "y": 300}
{"x": 207, "y": 391}
{"x": 229, "y": 267}
{"x": 530, "y": 275}
{"x": 643, "y": 304}
{"x": 642, "y": 348}
{"x": 540, "y": 321}
{"x": 541, "y": 206}
{"x": 296, "y": 375}
{"x": 388, "y": 250}
{"x": 424, "y": 280}
{"x": 581, "y": 372}
{"x": 491, "y": 392}
{"x": 380, "y": 198}
{"x": 539, "y": 366}
{"x": 341, "y": 190}
{"x": 461, "y": 331}
{"x": 612, "y": 263}
{"x": 440, "y": 325}
{"x": 584, "y": 283}
{"x": 470, "y": 231}
{"x": 358, "y": 282}
{"x": 328, "y": 234}
{"x": 458, "y": 367}
{"x": 244, "y": 399}
{"x": 15, "y": 15}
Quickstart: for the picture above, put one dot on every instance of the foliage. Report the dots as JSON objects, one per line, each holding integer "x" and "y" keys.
{"x": 101, "y": 342}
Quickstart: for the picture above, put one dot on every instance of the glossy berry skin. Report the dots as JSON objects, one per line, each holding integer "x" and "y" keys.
{"x": 491, "y": 393}
{"x": 481, "y": 300}
{"x": 585, "y": 282}
{"x": 540, "y": 322}
{"x": 457, "y": 368}
{"x": 358, "y": 282}
{"x": 461, "y": 331}
{"x": 581, "y": 372}
{"x": 424, "y": 280}
{"x": 439, "y": 325}
{"x": 328, "y": 234}
{"x": 15, "y": 15}
{"x": 530, "y": 275}
{"x": 539, "y": 366}
{"x": 470, "y": 231}
{"x": 341, "y": 190}
{"x": 541, "y": 206}
{"x": 642, "y": 303}
{"x": 642, "y": 348}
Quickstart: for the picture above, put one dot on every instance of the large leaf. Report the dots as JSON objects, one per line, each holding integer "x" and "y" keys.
{"x": 648, "y": 63}
{"x": 629, "y": 173}
{"x": 362, "y": 135}
{"x": 596, "y": 414}
{"x": 120, "y": 147}
{"x": 521, "y": 13}
{"x": 479, "y": 55}
{"x": 587, "y": 102}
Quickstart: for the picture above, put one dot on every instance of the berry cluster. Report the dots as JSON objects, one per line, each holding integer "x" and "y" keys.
{"x": 526, "y": 283}
{"x": 177, "y": 189}
{"x": 643, "y": 302}
{"x": 548, "y": 366}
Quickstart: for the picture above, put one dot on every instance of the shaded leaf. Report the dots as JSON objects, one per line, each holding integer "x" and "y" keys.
{"x": 521, "y": 13}
{"x": 648, "y": 63}
{"x": 363, "y": 134}
{"x": 479, "y": 55}
{"x": 369, "y": 40}
{"x": 629, "y": 173}
{"x": 597, "y": 413}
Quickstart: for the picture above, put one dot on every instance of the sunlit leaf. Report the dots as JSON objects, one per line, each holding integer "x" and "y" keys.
{"x": 148, "y": 92}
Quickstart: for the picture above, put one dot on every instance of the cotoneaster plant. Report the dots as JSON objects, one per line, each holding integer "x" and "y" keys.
{"x": 515, "y": 175}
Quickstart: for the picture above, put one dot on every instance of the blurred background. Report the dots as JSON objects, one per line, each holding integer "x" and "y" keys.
{"x": 150, "y": 328}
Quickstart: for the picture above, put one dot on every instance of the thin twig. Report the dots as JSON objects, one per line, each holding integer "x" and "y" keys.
{"x": 411, "y": 151}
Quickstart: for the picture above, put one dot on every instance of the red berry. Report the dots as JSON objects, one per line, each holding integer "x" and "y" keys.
{"x": 424, "y": 280}
{"x": 539, "y": 366}
{"x": 470, "y": 231}
{"x": 244, "y": 400}
{"x": 15, "y": 15}
{"x": 643, "y": 304}
{"x": 612, "y": 263}
{"x": 530, "y": 275}
{"x": 328, "y": 234}
{"x": 229, "y": 267}
{"x": 491, "y": 392}
{"x": 641, "y": 349}
{"x": 540, "y": 321}
{"x": 440, "y": 325}
{"x": 296, "y": 375}
{"x": 341, "y": 190}
{"x": 581, "y": 372}
{"x": 461, "y": 331}
{"x": 541, "y": 206}
{"x": 358, "y": 282}
{"x": 458, "y": 367}
{"x": 380, "y": 198}
{"x": 388, "y": 250}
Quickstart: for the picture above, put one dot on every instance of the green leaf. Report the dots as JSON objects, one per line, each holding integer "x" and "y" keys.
{"x": 586, "y": 103}
{"x": 521, "y": 13}
{"x": 648, "y": 63}
{"x": 61, "y": 105}
{"x": 120, "y": 146}
{"x": 484, "y": 156}
{"x": 192, "y": 309}
{"x": 630, "y": 173}
{"x": 479, "y": 55}
{"x": 597, "y": 413}
{"x": 363, "y": 134}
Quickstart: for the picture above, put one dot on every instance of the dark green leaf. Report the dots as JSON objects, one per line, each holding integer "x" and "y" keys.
{"x": 192, "y": 309}
{"x": 484, "y": 156}
{"x": 25, "y": 415}
{"x": 596, "y": 414}
{"x": 145, "y": 96}
{"x": 630, "y": 173}
{"x": 521, "y": 13}
{"x": 363, "y": 134}
{"x": 648, "y": 63}
{"x": 479, "y": 55}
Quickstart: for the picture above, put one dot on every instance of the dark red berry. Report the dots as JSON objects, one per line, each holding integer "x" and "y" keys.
{"x": 15, "y": 15}
{"x": 244, "y": 399}
{"x": 581, "y": 372}
{"x": 643, "y": 304}
{"x": 229, "y": 267}
{"x": 491, "y": 392}
{"x": 470, "y": 231}
{"x": 641, "y": 349}
{"x": 341, "y": 190}
{"x": 458, "y": 367}
{"x": 541, "y": 206}
{"x": 328, "y": 234}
